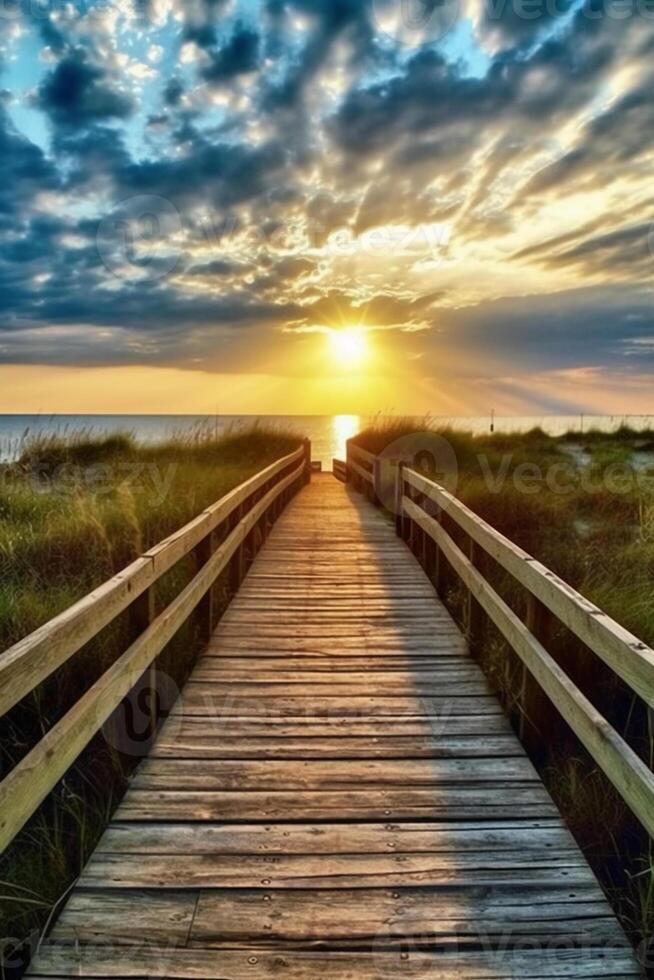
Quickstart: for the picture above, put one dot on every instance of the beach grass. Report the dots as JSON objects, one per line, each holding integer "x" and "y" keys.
{"x": 74, "y": 510}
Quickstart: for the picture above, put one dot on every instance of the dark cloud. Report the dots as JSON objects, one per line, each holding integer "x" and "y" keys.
{"x": 76, "y": 94}
{"x": 239, "y": 56}
{"x": 560, "y": 331}
{"x": 25, "y": 173}
{"x": 173, "y": 92}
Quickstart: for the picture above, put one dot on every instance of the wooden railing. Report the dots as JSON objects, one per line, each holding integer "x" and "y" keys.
{"x": 360, "y": 470}
{"x": 217, "y": 538}
{"x": 425, "y": 513}
{"x": 339, "y": 469}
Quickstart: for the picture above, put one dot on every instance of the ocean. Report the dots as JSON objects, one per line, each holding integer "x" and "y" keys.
{"x": 328, "y": 433}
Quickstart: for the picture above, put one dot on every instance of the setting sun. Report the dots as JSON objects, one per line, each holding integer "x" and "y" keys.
{"x": 349, "y": 346}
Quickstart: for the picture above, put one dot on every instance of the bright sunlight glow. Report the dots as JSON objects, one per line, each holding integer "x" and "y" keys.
{"x": 349, "y": 346}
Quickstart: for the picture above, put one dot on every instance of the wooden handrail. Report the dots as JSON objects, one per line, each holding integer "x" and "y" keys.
{"x": 29, "y": 783}
{"x": 628, "y": 773}
{"x": 362, "y": 454}
{"x": 630, "y": 658}
{"x": 27, "y": 663}
{"x": 623, "y": 652}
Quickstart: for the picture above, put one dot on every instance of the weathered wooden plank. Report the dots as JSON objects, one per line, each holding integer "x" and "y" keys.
{"x": 216, "y": 686}
{"x": 441, "y": 726}
{"x": 156, "y": 916}
{"x": 199, "y": 699}
{"x": 513, "y": 836}
{"x": 453, "y": 803}
{"x": 352, "y": 871}
{"x": 547, "y": 963}
{"x": 187, "y": 745}
{"x": 390, "y": 917}
{"x": 309, "y": 669}
{"x": 303, "y": 775}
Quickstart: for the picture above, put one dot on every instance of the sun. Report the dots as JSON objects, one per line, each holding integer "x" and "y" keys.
{"x": 349, "y": 346}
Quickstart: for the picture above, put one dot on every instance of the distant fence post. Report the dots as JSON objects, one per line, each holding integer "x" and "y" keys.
{"x": 399, "y": 495}
{"x": 205, "y": 607}
{"x": 237, "y": 564}
{"x": 534, "y": 703}
{"x": 475, "y": 615}
{"x": 307, "y": 461}
{"x": 142, "y": 614}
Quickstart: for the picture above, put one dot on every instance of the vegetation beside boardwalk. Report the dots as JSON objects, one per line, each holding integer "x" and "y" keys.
{"x": 73, "y": 512}
{"x": 583, "y": 504}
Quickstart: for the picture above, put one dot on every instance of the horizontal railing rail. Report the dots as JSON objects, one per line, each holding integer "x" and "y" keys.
{"x": 420, "y": 506}
{"x": 251, "y": 506}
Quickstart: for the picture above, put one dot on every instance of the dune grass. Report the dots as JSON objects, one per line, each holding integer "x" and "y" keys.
{"x": 73, "y": 512}
{"x": 584, "y": 505}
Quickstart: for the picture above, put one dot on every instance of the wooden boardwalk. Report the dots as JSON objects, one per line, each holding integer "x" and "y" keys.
{"x": 337, "y": 795}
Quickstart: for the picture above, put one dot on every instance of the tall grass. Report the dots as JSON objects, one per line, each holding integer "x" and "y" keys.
{"x": 598, "y": 535}
{"x": 73, "y": 512}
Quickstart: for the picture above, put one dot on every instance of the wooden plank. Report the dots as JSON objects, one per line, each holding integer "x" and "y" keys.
{"x": 452, "y": 803}
{"x": 624, "y": 653}
{"x": 189, "y": 745}
{"x": 342, "y": 774}
{"x": 514, "y": 836}
{"x": 350, "y": 871}
{"x": 200, "y": 700}
{"x": 550, "y": 963}
{"x": 633, "y": 780}
{"x": 387, "y": 917}
{"x": 216, "y": 686}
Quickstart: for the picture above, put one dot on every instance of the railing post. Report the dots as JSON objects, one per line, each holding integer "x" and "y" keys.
{"x": 475, "y": 615}
{"x": 407, "y": 522}
{"x": 237, "y": 565}
{"x": 376, "y": 481}
{"x": 399, "y": 497}
{"x": 440, "y": 579}
{"x": 307, "y": 462}
{"x": 533, "y": 701}
{"x": 142, "y": 613}
{"x": 205, "y": 608}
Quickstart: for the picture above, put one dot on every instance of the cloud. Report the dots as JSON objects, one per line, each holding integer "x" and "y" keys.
{"x": 294, "y": 128}
{"x": 239, "y": 56}
{"x": 76, "y": 94}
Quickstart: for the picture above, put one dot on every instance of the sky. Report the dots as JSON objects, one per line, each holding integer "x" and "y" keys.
{"x": 327, "y": 206}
